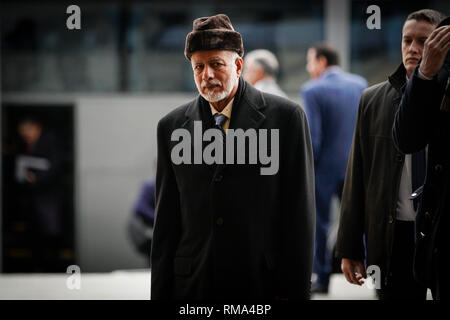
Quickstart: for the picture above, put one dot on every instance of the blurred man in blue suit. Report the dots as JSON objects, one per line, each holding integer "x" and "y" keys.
{"x": 331, "y": 103}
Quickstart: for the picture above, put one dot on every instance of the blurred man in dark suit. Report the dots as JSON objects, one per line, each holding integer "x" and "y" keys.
{"x": 38, "y": 173}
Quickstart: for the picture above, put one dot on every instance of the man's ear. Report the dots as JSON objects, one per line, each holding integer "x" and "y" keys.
{"x": 323, "y": 62}
{"x": 239, "y": 63}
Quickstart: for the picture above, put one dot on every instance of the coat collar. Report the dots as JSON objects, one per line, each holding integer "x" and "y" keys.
{"x": 330, "y": 70}
{"x": 398, "y": 78}
{"x": 246, "y": 113}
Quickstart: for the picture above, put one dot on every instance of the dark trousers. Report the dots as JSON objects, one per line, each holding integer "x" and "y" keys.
{"x": 440, "y": 287}
{"x": 323, "y": 257}
{"x": 400, "y": 282}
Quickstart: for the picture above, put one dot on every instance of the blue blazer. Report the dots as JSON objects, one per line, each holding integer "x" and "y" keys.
{"x": 331, "y": 105}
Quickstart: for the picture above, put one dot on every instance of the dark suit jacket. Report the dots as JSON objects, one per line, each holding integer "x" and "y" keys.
{"x": 225, "y": 231}
{"x": 420, "y": 121}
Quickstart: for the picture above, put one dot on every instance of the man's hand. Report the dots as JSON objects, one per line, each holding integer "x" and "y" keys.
{"x": 434, "y": 51}
{"x": 30, "y": 177}
{"x": 349, "y": 266}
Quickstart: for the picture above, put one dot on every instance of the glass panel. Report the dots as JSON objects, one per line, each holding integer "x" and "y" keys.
{"x": 139, "y": 47}
{"x": 39, "y": 53}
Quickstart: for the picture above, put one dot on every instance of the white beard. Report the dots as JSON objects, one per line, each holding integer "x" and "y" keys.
{"x": 212, "y": 96}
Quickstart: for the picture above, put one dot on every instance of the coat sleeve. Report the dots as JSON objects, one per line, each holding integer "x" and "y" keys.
{"x": 167, "y": 227}
{"x": 145, "y": 204}
{"x": 298, "y": 211}
{"x": 413, "y": 121}
{"x": 350, "y": 243}
{"x": 313, "y": 113}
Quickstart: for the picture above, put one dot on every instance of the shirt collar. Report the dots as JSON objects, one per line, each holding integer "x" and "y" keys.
{"x": 330, "y": 69}
{"x": 226, "y": 111}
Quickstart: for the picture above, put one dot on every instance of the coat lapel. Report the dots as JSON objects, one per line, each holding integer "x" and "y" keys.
{"x": 246, "y": 112}
{"x": 196, "y": 111}
{"x": 199, "y": 110}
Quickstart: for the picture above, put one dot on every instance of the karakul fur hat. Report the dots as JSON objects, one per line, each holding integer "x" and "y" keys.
{"x": 213, "y": 33}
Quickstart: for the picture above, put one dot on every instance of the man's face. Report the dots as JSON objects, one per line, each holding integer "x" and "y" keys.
{"x": 414, "y": 35}
{"x": 314, "y": 65}
{"x": 253, "y": 72}
{"x": 30, "y": 132}
{"x": 216, "y": 73}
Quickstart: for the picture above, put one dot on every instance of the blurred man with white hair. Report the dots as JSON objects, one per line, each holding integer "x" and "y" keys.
{"x": 261, "y": 68}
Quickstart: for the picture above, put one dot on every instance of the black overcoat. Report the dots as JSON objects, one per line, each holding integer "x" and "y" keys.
{"x": 422, "y": 120}
{"x": 224, "y": 231}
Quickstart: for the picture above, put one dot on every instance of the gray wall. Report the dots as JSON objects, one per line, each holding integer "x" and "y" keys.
{"x": 115, "y": 153}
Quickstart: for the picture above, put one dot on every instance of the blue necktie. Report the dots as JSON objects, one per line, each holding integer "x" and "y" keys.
{"x": 220, "y": 119}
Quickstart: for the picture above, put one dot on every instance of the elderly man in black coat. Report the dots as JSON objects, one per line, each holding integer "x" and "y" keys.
{"x": 423, "y": 119}
{"x": 233, "y": 220}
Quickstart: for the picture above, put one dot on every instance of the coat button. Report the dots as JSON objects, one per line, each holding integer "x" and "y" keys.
{"x": 219, "y": 221}
{"x": 438, "y": 167}
{"x": 427, "y": 214}
{"x": 399, "y": 157}
{"x": 218, "y": 178}
{"x": 391, "y": 219}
